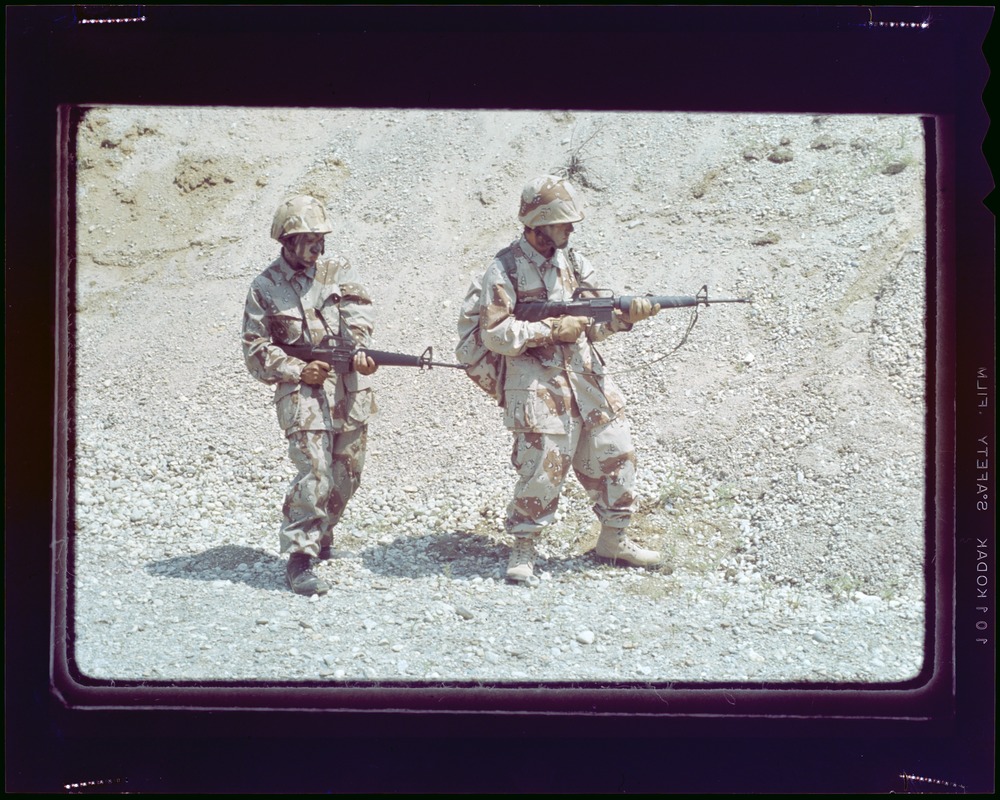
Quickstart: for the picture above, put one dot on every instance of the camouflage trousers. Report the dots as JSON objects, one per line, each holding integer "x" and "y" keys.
{"x": 329, "y": 472}
{"x": 602, "y": 458}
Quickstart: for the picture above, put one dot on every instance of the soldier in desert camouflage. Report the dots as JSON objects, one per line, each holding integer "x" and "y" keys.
{"x": 300, "y": 298}
{"x": 561, "y": 407}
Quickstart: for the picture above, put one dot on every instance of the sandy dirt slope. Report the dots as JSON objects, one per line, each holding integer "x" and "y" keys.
{"x": 791, "y": 430}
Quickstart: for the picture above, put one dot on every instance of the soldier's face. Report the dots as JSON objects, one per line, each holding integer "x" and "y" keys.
{"x": 558, "y": 234}
{"x": 305, "y": 249}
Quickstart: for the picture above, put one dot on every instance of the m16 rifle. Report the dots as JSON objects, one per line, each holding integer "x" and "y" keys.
{"x": 602, "y": 307}
{"x": 339, "y": 354}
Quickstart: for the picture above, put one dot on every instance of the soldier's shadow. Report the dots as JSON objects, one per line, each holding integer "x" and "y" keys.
{"x": 236, "y": 563}
{"x": 457, "y": 555}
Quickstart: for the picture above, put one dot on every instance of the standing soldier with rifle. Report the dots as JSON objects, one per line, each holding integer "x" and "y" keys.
{"x": 302, "y": 299}
{"x": 561, "y": 407}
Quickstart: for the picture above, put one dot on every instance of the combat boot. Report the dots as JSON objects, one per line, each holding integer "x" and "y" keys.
{"x": 301, "y": 578}
{"x": 615, "y": 546}
{"x": 521, "y": 565}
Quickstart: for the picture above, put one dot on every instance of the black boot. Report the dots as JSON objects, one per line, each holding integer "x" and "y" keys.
{"x": 300, "y": 577}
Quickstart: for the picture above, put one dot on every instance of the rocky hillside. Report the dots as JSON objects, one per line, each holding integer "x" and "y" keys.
{"x": 781, "y": 447}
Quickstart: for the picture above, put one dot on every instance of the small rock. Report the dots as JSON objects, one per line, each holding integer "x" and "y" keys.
{"x": 585, "y": 637}
{"x": 780, "y": 156}
{"x": 768, "y": 238}
{"x": 463, "y": 612}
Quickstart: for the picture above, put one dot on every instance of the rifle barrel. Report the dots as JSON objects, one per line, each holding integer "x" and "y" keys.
{"x": 678, "y": 301}
{"x": 383, "y": 358}
{"x": 425, "y": 359}
{"x": 663, "y": 301}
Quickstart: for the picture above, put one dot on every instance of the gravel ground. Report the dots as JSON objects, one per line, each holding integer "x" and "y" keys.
{"x": 781, "y": 448}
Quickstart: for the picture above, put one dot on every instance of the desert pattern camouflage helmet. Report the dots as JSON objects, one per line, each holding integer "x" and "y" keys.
{"x": 549, "y": 200}
{"x": 300, "y": 214}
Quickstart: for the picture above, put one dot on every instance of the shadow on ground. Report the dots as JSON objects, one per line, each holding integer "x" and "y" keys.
{"x": 256, "y": 568}
{"x": 458, "y": 555}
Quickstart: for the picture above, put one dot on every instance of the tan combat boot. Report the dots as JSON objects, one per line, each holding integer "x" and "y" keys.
{"x": 615, "y": 546}
{"x": 521, "y": 565}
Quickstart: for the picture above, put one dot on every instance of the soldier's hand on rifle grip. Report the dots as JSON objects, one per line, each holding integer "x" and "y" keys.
{"x": 315, "y": 372}
{"x": 568, "y": 329}
{"x": 364, "y": 363}
{"x": 640, "y": 309}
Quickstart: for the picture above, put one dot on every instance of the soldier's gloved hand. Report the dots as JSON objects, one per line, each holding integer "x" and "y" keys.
{"x": 315, "y": 372}
{"x": 364, "y": 363}
{"x": 568, "y": 329}
{"x": 639, "y": 309}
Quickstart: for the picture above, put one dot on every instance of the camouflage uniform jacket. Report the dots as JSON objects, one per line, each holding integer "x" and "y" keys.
{"x": 546, "y": 381}
{"x": 290, "y": 307}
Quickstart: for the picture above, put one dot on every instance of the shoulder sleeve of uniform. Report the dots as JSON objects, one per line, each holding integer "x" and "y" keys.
{"x": 355, "y": 292}
{"x": 265, "y": 362}
{"x": 498, "y": 286}
{"x": 341, "y": 272}
{"x": 584, "y": 269}
{"x": 500, "y": 330}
